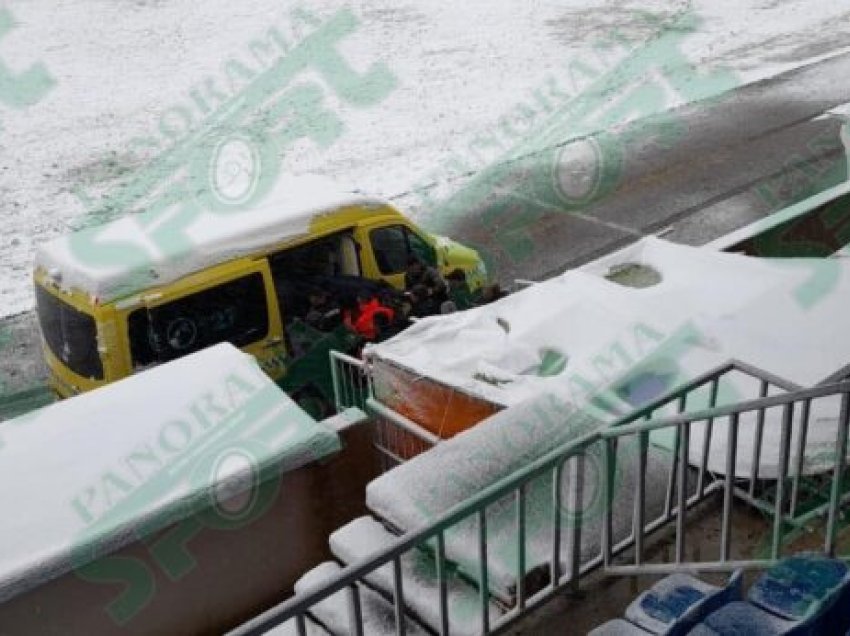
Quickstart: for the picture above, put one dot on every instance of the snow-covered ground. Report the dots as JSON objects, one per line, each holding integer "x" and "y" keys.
{"x": 135, "y": 69}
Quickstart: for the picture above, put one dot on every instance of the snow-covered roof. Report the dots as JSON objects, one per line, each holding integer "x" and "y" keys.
{"x": 778, "y": 314}
{"x": 580, "y": 335}
{"x": 90, "y": 474}
{"x": 160, "y": 245}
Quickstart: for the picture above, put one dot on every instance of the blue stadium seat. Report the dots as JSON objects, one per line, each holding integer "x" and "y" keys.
{"x": 806, "y": 587}
{"x": 676, "y": 603}
{"x": 618, "y": 627}
{"x": 742, "y": 619}
{"x": 803, "y": 595}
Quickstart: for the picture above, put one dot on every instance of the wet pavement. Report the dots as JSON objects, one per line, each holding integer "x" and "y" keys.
{"x": 729, "y": 162}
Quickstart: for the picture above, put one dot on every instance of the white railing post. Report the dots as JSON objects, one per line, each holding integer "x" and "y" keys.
{"x": 332, "y": 359}
{"x": 838, "y": 474}
{"x": 728, "y": 487}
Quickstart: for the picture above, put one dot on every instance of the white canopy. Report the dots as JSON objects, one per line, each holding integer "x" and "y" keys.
{"x": 782, "y": 315}
{"x": 87, "y": 475}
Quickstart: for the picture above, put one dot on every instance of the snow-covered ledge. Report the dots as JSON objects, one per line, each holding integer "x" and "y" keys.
{"x": 87, "y": 476}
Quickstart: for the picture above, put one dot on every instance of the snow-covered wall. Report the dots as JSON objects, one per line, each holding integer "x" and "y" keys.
{"x": 90, "y": 474}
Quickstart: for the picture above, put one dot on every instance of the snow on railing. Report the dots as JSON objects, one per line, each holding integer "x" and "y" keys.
{"x": 789, "y": 512}
{"x": 622, "y": 549}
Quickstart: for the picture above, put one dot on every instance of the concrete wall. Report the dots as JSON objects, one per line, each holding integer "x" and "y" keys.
{"x": 193, "y": 578}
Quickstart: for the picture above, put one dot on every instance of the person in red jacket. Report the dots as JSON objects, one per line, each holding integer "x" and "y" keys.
{"x": 362, "y": 321}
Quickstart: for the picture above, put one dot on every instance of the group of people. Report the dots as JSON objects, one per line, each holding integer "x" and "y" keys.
{"x": 364, "y": 314}
{"x": 429, "y": 293}
{"x": 425, "y": 289}
{"x": 374, "y": 317}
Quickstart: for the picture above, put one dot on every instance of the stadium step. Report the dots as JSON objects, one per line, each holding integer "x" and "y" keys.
{"x": 404, "y": 497}
{"x": 365, "y": 536}
{"x": 289, "y": 628}
{"x": 333, "y": 612}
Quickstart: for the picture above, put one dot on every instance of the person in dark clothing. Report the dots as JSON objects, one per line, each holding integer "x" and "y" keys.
{"x": 419, "y": 301}
{"x": 425, "y": 287}
{"x": 383, "y": 326}
{"x": 323, "y": 313}
{"x": 491, "y": 293}
{"x": 418, "y": 273}
{"x": 463, "y": 298}
{"x": 459, "y": 293}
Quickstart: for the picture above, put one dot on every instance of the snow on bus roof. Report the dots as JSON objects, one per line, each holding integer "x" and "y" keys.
{"x": 91, "y": 474}
{"x": 158, "y": 246}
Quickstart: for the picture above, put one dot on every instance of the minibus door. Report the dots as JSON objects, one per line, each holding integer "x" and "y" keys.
{"x": 239, "y": 308}
{"x": 389, "y": 247}
{"x": 271, "y": 353}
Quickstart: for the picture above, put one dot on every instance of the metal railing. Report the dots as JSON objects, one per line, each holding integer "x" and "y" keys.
{"x": 731, "y": 379}
{"x": 351, "y": 382}
{"x": 842, "y": 374}
{"x": 712, "y": 381}
{"x": 790, "y": 475}
{"x": 434, "y": 539}
{"x": 397, "y": 438}
{"x": 622, "y": 550}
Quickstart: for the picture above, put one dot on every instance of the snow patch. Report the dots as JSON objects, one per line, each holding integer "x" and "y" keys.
{"x": 136, "y": 252}
{"x": 378, "y": 613}
{"x": 364, "y": 537}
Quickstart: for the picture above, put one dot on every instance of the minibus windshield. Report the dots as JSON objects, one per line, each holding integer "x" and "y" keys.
{"x": 70, "y": 334}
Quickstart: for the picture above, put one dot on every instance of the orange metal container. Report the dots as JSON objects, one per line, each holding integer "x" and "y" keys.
{"x": 441, "y": 409}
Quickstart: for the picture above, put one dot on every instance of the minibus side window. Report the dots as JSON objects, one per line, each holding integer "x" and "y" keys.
{"x": 334, "y": 255}
{"x": 321, "y": 263}
{"x": 395, "y": 244}
{"x": 390, "y": 248}
{"x": 420, "y": 249}
{"x": 234, "y": 312}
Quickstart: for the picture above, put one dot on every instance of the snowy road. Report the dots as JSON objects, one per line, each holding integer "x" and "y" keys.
{"x": 476, "y": 85}
{"x": 756, "y": 149}
{"x": 122, "y": 71}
